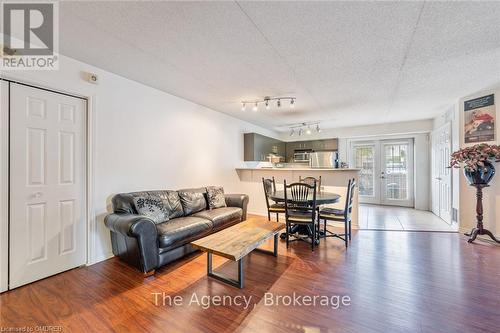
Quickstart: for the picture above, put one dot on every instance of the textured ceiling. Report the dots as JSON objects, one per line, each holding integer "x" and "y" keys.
{"x": 348, "y": 63}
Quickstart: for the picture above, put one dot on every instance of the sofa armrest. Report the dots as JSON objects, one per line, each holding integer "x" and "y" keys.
{"x": 136, "y": 239}
{"x": 238, "y": 200}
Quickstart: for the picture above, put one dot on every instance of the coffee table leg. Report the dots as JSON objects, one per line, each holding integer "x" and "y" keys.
{"x": 235, "y": 283}
{"x": 275, "y": 249}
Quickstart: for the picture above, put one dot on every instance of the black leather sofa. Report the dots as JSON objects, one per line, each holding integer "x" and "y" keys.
{"x": 140, "y": 242}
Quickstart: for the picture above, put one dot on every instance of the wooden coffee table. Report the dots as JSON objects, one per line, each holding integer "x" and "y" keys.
{"x": 236, "y": 242}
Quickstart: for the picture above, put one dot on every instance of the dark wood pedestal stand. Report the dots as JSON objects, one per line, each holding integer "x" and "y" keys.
{"x": 479, "y": 230}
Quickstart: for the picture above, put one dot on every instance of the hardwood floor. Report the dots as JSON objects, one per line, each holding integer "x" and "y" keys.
{"x": 396, "y": 281}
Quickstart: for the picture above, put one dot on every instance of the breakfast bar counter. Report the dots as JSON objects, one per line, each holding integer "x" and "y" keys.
{"x": 332, "y": 180}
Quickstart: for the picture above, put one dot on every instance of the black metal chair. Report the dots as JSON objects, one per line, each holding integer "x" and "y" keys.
{"x": 328, "y": 213}
{"x": 300, "y": 210}
{"x": 310, "y": 180}
{"x": 269, "y": 188}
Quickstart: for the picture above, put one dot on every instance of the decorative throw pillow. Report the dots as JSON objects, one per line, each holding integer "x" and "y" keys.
{"x": 216, "y": 197}
{"x": 192, "y": 202}
{"x": 152, "y": 207}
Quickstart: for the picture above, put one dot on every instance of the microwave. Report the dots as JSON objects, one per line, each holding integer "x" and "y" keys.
{"x": 301, "y": 156}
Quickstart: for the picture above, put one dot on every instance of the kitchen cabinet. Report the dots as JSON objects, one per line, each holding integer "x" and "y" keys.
{"x": 257, "y": 147}
{"x": 327, "y": 144}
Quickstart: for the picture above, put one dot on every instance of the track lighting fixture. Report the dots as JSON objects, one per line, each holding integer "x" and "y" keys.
{"x": 266, "y": 101}
{"x": 300, "y": 128}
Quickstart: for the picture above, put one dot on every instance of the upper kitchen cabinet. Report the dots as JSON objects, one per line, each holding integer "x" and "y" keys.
{"x": 316, "y": 145}
{"x": 328, "y": 144}
{"x": 259, "y": 147}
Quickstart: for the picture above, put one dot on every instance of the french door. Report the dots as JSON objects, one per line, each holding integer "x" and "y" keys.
{"x": 47, "y": 184}
{"x": 386, "y": 175}
{"x": 441, "y": 173}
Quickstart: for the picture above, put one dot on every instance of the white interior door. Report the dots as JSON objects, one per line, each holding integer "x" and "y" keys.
{"x": 396, "y": 175}
{"x": 4, "y": 185}
{"x": 47, "y": 182}
{"x": 435, "y": 162}
{"x": 387, "y": 171}
{"x": 441, "y": 173}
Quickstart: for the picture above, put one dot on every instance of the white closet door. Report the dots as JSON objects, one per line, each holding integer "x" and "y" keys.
{"x": 441, "y": 178}
{"x": 47, "y": 177}
{"x": 4, "y": 180}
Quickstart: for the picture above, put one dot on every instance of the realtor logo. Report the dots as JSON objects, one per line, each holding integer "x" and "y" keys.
{"x": 30, "y": 38}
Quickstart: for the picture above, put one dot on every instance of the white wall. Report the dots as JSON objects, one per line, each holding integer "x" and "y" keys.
{"x": 417, "y": 130}
{"x": 491, "y": 195}
{"x": 147, "y": 139}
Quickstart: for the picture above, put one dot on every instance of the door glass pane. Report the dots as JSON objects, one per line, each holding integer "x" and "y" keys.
{"x": 396, "y": 171}
{"x": 364, "y": 159}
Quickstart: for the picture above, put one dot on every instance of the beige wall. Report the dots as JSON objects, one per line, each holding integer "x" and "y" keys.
{"x": 491, "y": 195}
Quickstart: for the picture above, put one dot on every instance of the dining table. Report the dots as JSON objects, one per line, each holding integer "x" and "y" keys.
{"x": 322, "y": 198}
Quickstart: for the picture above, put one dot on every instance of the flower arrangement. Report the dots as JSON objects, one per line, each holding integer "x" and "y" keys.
{"x": 474, "y": 157}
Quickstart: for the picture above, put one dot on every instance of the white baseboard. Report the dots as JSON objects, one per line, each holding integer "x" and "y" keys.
{"x": 101, "y": 257}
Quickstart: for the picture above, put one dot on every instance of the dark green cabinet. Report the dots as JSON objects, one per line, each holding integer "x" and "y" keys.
{"x": 257, "y": 147}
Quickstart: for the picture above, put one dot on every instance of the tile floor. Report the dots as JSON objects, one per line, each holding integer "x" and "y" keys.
{"x": 401, "y": 218}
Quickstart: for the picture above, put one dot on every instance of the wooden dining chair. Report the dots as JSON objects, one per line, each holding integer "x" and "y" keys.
{"x": 328, "y": 213}
{"x": 310, "y": 180}
{"x": 272, "y": 206}
{"x": 301, "y": 210}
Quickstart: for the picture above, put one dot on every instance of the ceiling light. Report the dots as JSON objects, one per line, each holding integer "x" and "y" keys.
{"x": 318, "y": 129}
{"x": 300, "y": 132}
{"x": 308, "y": 131}
{"x": 292, "y": 132}
{"x": 266, "y": 101}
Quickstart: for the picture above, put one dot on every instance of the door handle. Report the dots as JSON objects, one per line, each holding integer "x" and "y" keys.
{"x": 37, "y": 194}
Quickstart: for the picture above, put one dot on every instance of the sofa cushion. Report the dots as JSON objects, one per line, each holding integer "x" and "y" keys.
{"x": 172, "y": 202}
{"x": 222, "y": 216}
{"x": 151, "y": 206}
{"x": 182, "y": 230}
{"x": 192, "y": 202}
{"x": 215, "y": 197}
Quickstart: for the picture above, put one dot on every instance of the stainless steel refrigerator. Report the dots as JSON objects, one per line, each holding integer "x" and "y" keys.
{"x": 324, "y": 159}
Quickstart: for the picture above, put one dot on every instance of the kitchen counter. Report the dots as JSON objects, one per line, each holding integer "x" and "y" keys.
{"x": 300, "y": 169}
{"x": 332, "y": 180}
